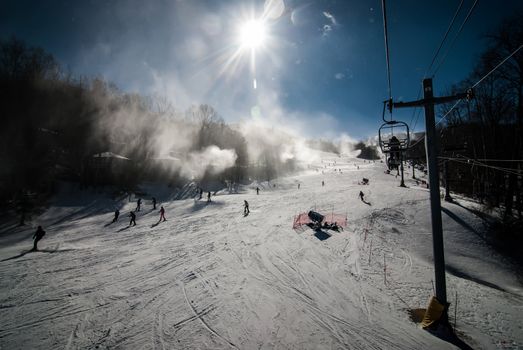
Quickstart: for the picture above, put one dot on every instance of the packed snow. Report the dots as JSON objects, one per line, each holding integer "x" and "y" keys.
{"x": 211, "y": 278}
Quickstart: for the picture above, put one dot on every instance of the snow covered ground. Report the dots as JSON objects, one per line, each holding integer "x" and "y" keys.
{"x": 210, "y": 278}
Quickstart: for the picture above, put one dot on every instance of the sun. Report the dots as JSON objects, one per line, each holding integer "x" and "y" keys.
{"x": 252, "y": 34}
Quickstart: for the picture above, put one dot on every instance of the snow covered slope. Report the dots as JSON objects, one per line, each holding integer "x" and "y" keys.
{"x": 210, "y": 278}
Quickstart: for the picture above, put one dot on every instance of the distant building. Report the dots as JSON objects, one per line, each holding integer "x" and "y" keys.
{"x": 107, "y": 168}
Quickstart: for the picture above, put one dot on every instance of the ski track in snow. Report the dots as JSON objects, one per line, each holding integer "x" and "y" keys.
{"x": 209, "y": 277}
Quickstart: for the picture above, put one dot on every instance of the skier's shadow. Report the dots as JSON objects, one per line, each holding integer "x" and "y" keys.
{"x": 19, "y": 255}
{"x": 156, "y": 224}
{"x": 368, "y": 203}
{"x": 36, "y": 251}
{"x": 199, "y": 205}
{"x": 124, "y": 228}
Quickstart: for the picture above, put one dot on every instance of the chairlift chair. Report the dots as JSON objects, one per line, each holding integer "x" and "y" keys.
{"x": 396, "y": 144}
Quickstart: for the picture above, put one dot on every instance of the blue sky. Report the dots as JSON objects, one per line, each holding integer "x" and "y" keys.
{"x": 321, "y": 70}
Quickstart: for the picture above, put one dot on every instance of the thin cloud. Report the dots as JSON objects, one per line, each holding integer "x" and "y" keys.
{"x": 339, "y": 76}
{"x": 330, "y": 17}
{"x": 326, "y": 29}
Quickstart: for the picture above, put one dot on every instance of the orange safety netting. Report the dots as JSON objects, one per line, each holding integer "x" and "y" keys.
{"x": 303, "y": 219}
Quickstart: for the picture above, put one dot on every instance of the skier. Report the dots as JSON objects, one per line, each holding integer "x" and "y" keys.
{"x": 394, "y": 145}
{"x": 162, "y": 214}
{"x": 298, "y": 186}
{"x": 257, "y": 190}
{"x": 138, "y": 204}
{"x": 201, "y": 193}
{"x": 322, "y": 183}
{"x": 246, "y": 208}
{"x": 116, "y": 215}
{"x": 133, "y": 218}
{"x": 361, "y": 196}
{"x": 38, "y": 236}
{"x": 154, "y": 203}
{"x": 209, "y": 197}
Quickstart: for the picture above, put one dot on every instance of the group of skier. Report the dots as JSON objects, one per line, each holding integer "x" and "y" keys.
{"x": 39, "y": 234}
{"x": 132, "y": 214}
{"x": 200, "y": 192}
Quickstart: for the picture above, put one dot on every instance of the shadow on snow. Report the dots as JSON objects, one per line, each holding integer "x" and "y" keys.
{"x": 50, "y": 251}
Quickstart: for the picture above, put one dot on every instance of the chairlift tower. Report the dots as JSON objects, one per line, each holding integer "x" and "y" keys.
{"x": 431, "y": 146}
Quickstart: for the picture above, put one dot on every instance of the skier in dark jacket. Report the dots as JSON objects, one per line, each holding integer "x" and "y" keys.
{"x": 257, "y": 190}
{"x": 209, "y": 197}
{"x": 154, "y": 203}
{"x": 116, "y": 215}
{"x": 138, "y": 204}
{"x": 361, "y": 196}
{"x": 38, "y": 236}
{"x": 133, "y": 219}
{"x": 246, "y": 208}
{"x": 162, "y": 214}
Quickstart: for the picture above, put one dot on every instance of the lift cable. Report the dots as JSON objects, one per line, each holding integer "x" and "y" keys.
{"x": 481, "y": 80}
{"x": 432, "y": 62}
{"x": 455, "y": 37}
{"x": 499, "y": 65}
{"x": 472, "y": 162}
{"x": 387, "y": 56}
{"x": 415, "y": 109}
{"x": 444, "y": 38}
{"x": 417, "y": 117}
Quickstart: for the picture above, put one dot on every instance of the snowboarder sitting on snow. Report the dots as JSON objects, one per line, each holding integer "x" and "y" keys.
{"x": 116, "y": 215}
{"x": 246, "y": 208}
{"x": 38, "y": 236}
{"x": 162, "y": 214}
{"x": 133, "y": 219}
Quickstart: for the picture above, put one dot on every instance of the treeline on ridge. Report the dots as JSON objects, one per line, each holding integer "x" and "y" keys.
{"x": 85, "y": 130}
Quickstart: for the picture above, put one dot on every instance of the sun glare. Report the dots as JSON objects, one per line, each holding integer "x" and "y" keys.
{"x": 252, "y": 34}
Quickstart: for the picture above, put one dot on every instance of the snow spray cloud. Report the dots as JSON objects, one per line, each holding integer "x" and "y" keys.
{"x": 346, "y": 144}
{"x": 281, "y": 145}
{"x": 130, "y": 126}
{"x": 211, "y": 159}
